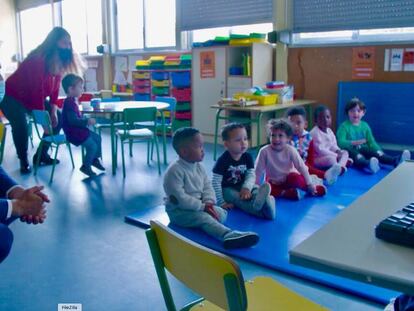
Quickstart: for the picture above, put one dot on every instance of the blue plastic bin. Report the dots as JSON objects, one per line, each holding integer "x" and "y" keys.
{"x": 181, "y": 78}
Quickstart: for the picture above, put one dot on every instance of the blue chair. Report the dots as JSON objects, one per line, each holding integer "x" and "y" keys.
{"x": 42, "y": 118}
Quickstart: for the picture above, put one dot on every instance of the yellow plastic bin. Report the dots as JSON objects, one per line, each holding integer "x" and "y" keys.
{"x": 264, "y": 100}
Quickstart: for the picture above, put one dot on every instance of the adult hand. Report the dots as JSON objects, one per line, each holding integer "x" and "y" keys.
{"x": 245, "y": 194}
{"x": 29, "y": 203}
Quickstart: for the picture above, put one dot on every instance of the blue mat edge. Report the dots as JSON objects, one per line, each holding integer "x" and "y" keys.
{"x": 130, "y": 219}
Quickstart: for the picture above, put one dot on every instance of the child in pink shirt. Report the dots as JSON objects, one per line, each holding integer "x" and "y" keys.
{"x": 282, "y": 165}
{"x": 326, "y": 150}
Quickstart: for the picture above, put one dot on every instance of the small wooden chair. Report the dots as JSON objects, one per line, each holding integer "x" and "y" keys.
{"x": 216, "y": 277}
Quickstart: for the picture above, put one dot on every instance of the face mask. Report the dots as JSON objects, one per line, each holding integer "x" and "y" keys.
{"x": 65, "y": 55}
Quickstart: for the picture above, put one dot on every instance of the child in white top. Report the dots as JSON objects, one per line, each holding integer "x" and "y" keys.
{"x": 326, "y": 150}
{"x": 282, "y": 165}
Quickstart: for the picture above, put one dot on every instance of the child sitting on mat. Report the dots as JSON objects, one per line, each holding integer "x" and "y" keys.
{"x": 282, "y": 165}
{"x": 302, "y": 141}
{"x": 76, "y": 127}
{"x": 190, "y": 199}
{"x": 326, "y": 150}
{"x": 234, "y": 176}
{"x": 355, "y": 136}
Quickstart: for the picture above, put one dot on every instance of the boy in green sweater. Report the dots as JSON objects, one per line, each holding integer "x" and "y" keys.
{"x": 355, "y": 136}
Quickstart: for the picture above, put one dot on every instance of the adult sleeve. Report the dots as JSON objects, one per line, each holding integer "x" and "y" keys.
{"x": 6, "y": 183}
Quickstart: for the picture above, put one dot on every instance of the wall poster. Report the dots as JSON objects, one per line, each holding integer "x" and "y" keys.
{"x": 207, "y": 64}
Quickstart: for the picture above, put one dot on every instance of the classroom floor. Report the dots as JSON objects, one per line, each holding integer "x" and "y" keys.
{"x": 85, "y": 253}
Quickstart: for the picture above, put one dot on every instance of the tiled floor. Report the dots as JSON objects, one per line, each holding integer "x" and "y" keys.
{"x": 85, "y": 253}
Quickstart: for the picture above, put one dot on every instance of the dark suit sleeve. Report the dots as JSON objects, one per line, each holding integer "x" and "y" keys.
{"x": 6, "y": 182}
{"x": 4, "y": 207}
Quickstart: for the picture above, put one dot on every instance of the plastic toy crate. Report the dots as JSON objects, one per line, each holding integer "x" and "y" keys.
{"x": 160, "y": 83}
{"x": 183, "y": 115}
{"x": 182, "y": 95}
{"x": 180, "y": 123}
{"x": 159, "y": 75}
{"x": 264, "y": 100}
{"x": 144, "y": 97}
{"x": 141, "y": 75}
{"x": 141, "y": 83}
{"x": 160, "y": 90}
{"x": 142, "y": 89}
{"x": 181, "y": 79}
{"x": 183, "y": 106}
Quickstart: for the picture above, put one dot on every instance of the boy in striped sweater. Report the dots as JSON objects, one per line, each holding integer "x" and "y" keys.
{"x": 234, "y": 177}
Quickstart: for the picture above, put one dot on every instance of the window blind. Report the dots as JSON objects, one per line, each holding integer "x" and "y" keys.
{"x": 199, "y": 14}
{"x": 29, "y": 4}
{"x": 331, "y": 15}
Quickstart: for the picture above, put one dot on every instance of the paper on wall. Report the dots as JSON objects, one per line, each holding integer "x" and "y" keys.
{"x": 120, "y": 78}
{"x": 91, "y": 84}
{"x": 408, "y": 59}
{"x": 396, "y": 59}
{"x": 387, "y": 60}
{"x": 132, "y": 59}
{"x": 121, "y": 64}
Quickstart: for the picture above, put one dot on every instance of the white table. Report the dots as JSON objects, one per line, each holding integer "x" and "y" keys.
{"x": 347, "y": 246}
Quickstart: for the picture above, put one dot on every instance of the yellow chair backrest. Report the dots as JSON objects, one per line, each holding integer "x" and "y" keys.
{"x": 2, "y": 132}
{"x": 200, "y": 268}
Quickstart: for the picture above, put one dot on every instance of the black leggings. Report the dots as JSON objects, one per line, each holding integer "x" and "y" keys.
{"x": 16, "y": 113}
{"x": 362, "y": 155}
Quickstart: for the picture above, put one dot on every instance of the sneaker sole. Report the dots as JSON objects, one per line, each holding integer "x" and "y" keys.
{"x": 241, "y": 242}
{"x": 261, "y": 196}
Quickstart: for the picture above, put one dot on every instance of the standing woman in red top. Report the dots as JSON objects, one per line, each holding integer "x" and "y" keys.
{"x": 35, "y": 85}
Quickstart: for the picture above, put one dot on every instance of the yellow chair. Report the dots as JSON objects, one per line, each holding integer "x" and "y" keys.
{"x": 216, "y": 277}
{"x": 3, "y": 131}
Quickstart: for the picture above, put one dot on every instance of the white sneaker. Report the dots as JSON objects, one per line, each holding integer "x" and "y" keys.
{"x": 262, "y": 193}
{"x": 331, "y": 175}
{"x": 390, "y": 305}
{"x": 269, "y": 208}
{"x": 239, "y": 239}
{"x": 405, "y": 155}
{"x": 373, "y": 165}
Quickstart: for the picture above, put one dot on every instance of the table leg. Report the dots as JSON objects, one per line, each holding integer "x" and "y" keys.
{"x": 259, "y": 127}
{"x": 216, "y": 133}
{"x": 114, "y": 157}
{"x": 164, "y": 137}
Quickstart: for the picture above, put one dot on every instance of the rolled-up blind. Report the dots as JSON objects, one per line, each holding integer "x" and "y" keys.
{"x": 331, "y": 15}
{"x": 199, "y": 14}
{"x": 28, "y": 4}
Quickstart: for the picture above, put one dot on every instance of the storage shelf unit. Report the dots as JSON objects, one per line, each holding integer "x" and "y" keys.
{"x": 147, "y": 84}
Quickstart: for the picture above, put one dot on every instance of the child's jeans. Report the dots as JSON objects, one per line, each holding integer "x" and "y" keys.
{"x": 92, "y": 147}
{"x": 202, "y": 220}
{"x": 232, "y": 195}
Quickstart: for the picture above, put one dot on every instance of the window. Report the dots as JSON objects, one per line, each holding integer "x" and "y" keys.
{"x": 354, "y": 36}
{"x": 81, "y": 15}
{"x": 154, "y": 18}
{"x": 31, "y": 36}
{"x": 202, "y": 35}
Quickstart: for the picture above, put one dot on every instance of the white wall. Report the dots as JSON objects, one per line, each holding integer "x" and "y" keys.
{"x": 8, "y": 35}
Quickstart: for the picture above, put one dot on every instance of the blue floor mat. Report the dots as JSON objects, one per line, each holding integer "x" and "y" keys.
{"x": 295, "y": 221}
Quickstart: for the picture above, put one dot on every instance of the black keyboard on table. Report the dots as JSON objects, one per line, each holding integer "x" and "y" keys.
{"x": 398, "y": 228}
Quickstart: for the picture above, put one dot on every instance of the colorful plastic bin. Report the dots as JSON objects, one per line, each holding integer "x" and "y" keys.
{"x": 181, "y": 79}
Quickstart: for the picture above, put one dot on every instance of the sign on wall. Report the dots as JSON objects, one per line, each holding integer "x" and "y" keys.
{"x": 207, "y": 64}
{"x": 363, "y": 63}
